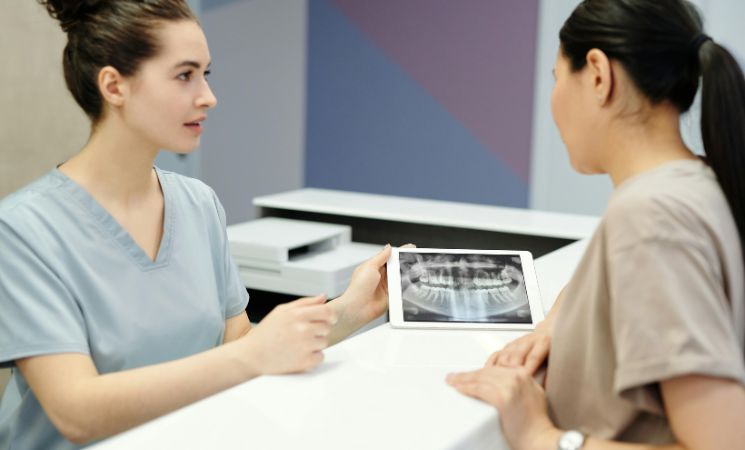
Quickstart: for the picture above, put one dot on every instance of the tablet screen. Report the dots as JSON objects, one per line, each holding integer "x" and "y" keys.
{"x": 463, "y": 287}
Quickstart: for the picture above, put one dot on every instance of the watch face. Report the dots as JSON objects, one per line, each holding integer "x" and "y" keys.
{"x": 571, "y": 440}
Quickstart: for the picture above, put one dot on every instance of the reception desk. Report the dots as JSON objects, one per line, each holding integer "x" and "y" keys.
{"x": 381, "y": 389}
{"x": 381, "y": 219}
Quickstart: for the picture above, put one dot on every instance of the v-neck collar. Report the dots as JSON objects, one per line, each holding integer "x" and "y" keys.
{"x": 116, "y": 232}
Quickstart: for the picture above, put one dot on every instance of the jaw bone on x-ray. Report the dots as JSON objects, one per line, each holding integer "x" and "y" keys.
{"x": 451, "y": 287}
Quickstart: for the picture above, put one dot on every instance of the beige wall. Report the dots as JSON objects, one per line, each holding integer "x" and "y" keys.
{"x": 40, "y": 123}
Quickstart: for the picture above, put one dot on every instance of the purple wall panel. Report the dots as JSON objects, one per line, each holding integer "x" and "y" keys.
{"x": 475, "y": 57}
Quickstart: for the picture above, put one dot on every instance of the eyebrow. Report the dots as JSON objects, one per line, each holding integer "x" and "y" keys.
{"x": 193, "y": 64}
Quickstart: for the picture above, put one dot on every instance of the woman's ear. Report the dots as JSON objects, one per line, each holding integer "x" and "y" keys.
{"x": 112, "y": 86}
{"x": 601, "y": 72}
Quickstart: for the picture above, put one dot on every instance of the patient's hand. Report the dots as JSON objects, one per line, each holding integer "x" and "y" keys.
{"x": 529, "y": 351}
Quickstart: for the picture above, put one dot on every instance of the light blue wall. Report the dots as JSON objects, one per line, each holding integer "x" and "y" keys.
{"x": 254, "y": 139}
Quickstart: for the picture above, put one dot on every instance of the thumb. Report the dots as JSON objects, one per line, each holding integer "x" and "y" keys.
{"x": 306, "y": 301}
{"x": 381, "y": 258}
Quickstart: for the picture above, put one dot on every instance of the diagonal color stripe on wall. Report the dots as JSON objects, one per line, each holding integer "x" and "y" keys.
{"x": 476, "y": 57}
{"x": 371, "y": 128}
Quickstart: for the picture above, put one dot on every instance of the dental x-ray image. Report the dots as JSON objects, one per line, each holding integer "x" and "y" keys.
{"x": 451, "y": 287}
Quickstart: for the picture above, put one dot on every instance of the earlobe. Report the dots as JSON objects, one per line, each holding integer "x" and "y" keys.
{"x": 602, "y": 75}
{"x": 111, "y": 85}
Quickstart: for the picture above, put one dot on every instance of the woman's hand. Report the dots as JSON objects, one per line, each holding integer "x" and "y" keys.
{"x": 369, "y": 286}
{"x": 365, "y": 299}
{"x": 521, "y": 402}
{"x": 529, "y": 351}
{"x": 291, "y": 337}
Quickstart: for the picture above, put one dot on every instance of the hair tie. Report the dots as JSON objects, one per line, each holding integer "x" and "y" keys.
{"x": 698, "y": 41}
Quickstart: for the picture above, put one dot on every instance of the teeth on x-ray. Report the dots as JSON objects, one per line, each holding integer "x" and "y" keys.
{"x": 462, "y": 286}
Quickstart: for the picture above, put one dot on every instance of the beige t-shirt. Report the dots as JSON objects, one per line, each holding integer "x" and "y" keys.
{"x": 658, "y": 294}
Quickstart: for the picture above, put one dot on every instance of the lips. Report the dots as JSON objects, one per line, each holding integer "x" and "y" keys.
{"x": 196, "y": 124}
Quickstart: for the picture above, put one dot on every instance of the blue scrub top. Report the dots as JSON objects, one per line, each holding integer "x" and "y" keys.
{"x": 73, "y": 280}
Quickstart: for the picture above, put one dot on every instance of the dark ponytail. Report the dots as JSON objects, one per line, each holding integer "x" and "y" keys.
{"x": 661, "y": 45}
{"x": 108, "y": 33}
{"x": 723, "y": 125}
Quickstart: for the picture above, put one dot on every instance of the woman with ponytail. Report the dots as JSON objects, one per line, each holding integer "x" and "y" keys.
{"x": 119, "y": 301}
{"x": 647, "y": 340}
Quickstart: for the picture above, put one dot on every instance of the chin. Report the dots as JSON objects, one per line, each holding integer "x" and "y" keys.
{"x": 579, "y": 160}
{"x": 586, "y": 169}
{"x": 182, "y": 149}
{"x": 580, "y": 167}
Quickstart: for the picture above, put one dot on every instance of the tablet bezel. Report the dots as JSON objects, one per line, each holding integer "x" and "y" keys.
{"x": 395, "y": 304}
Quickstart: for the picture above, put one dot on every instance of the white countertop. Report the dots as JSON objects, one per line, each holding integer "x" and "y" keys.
{"x": 382, "y": 389}
{"x": 433, "y": 212}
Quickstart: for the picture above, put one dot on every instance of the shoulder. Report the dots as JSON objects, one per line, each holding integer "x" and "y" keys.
{"x": 35, "y": 219}
{"x": 679, "y": 202}
{"x": 37, "y": 200}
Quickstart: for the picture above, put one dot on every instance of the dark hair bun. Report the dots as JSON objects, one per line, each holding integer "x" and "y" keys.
{"x": 71, "y": 13}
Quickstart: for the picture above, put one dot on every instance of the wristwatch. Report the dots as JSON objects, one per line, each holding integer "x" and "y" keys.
{"x": 571, "y": 440}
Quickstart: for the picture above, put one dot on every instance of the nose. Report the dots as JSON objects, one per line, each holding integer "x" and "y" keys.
{"x": 206, "y": 98}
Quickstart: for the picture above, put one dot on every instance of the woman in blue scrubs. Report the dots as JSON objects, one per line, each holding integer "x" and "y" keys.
{"x": 119, "y": 301}
{"x": 647, "y": 341}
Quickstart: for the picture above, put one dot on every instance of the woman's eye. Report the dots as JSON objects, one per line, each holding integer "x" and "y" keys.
{"x": 207, "y": 73}
{"x": 186, "y": 76}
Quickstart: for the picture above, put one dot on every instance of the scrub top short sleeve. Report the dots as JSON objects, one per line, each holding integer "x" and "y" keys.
{"x": 39, "y": 315}
{"x": 236, "y": 296}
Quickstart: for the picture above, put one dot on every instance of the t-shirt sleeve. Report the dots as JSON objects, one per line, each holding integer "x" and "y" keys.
{"x": 38, "y": 314}
{"x": 670, "y": 315}
{"x": 234, "y": 291}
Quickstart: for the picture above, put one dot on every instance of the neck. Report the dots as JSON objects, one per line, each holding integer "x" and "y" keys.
{"x": 115, "y": 164}
{"x": 635, "y": 146}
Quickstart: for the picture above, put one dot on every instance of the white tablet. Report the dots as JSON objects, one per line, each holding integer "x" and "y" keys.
{"x": 438, "y": 288}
